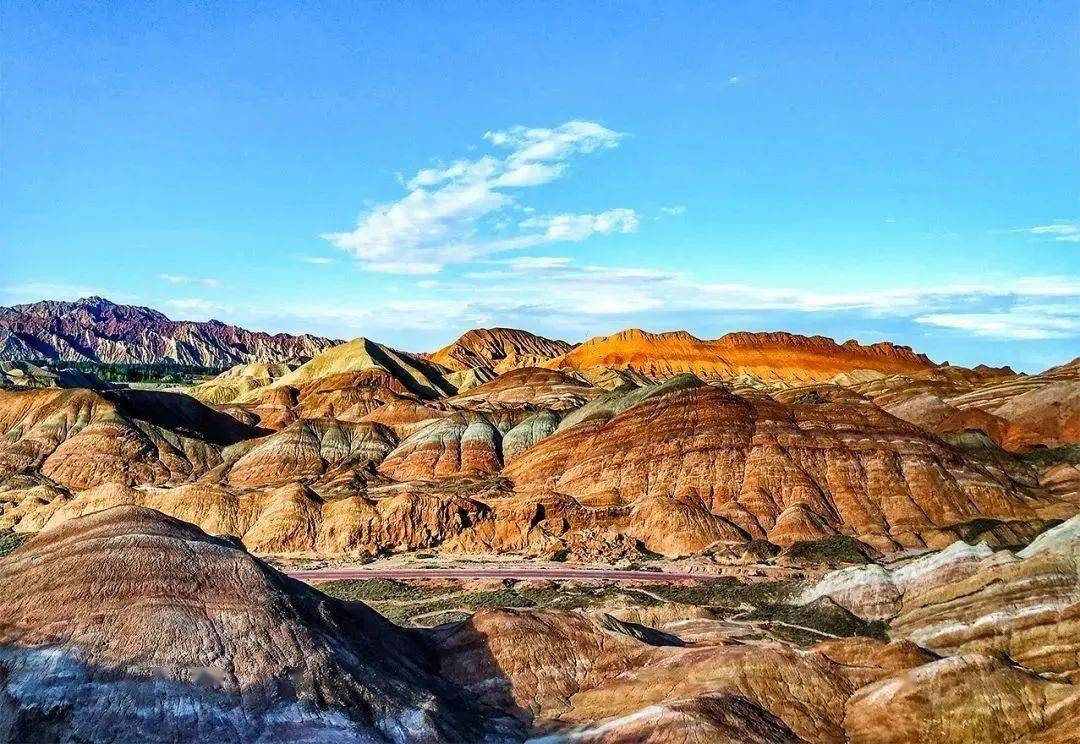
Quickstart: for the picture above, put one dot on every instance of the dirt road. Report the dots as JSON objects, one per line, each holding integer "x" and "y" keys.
{"x": 555, "y": 574}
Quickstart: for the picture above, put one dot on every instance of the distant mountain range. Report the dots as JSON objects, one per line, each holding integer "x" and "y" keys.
{"x": 96, "y": 330}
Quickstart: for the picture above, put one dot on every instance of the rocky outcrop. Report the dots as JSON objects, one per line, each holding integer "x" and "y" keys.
{"x": 406, "y": 372}
{"x": 528, "y": 388}
{"x": 460, "y": 445}
{"x": 782, "y": 472}
{"x": 129, "y": 625}
{"x": 968, "y": 698}
{"x": 970, "y": 599}
{"x": 498, "y": 349}
{"x": 27, "y": 375}
{"x": 1017, "y": 412}
{"x": 94, "y": 329}
{"x": 310, "y": 449}
{"x": 238, "y": 381}
{"x": 82, "y": 438}
{"x": 772, "y": 357}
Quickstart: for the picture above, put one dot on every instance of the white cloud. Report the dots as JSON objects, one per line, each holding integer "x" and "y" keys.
{"x": 1059, "y": 233}
{"x": 180, "y": 279}
{"x": 25, "y": 292}
{"x": 198, "y": 309}
{"x": 548, "y": 287}
{"x": 448, "y": 210}
{"x": 561, "y": 228}
{"x": 1019, "y": 323}
{"x": 733, "y": 80}
{"x": 318, "y": 260}
{"x": 675, "y": 210}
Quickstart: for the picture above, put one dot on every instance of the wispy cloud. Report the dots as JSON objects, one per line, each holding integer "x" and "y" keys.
{"x": 36, "y": 291}
{"x": 450, "y": 211}
{"x": 675, "y": 210}
{"x": 1059, "y": 232}
{"x": 1020, "y": 323}
{"x": 547, "y": 286}
{"x": 318, "y": 260}
{"x": 181, "y": 279}
{"x": 194, "y": 308}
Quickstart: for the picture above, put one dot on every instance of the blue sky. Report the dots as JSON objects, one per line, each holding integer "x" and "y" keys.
{"x": 406, "y": 171}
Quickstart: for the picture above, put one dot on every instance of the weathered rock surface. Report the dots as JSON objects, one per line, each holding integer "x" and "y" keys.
{"x": 81, "y": 438}
{"x": 498, "y": 349}
{"x": 311, "y": 448}
{"x": 1023, "y": 606}
{"x": 238, "y": 381}
{"x": 128, "y": 625}
{"x": 1017, "y": 412}
{"x": 396, "y": 369}
{"x": 27, "y": 375}
{"x": 528, "y": 388}
{"x": 460, "y": 445}
{"x": 775, "y": 471}
{"x": 94, "y": 329}
{"x": 774, "y": 357}
{"x": 967, "y": 698}
{"x": 106, "y": 621}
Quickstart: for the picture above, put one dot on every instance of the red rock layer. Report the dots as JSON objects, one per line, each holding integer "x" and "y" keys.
{"x": 785, "y": 472}
{"x": 782, "y": 357}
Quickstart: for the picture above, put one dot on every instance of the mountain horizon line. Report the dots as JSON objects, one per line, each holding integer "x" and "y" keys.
{"x": 119, "y": 312}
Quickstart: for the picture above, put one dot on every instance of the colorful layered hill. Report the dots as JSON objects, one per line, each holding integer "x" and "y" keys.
{"x": 132, "y": 626}
{"x": 498, "y": 349}
{"x": 96, "y": 330}
{"x": 128, "y": 625}
{"x": 770, "y": 357}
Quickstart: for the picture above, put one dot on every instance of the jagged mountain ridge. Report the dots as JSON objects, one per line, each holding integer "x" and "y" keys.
{"x": 97, "y": 330}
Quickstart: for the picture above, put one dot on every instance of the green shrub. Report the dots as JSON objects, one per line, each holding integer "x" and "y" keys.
{"x": 832, "y": 549}
{"x": 9, "y": 540}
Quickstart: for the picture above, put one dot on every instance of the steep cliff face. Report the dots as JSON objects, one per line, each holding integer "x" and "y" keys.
{"x": 95, "y": 329}
{"x": 772, "y": 357}
{"x": 498, "y": 349}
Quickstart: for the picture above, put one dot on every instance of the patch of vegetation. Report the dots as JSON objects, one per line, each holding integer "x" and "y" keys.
{"x": 761, "y": 550}
{"x": 831, "y": 550}
{"x": 9, "y": 540}
{"x": 467, "y": 602}
{"x": 163, "y": 372}
{"x": 810, "y": 398}
{"x": 402, "y": 601}
{"x": 726, "y": 591}
{"x": 970, "y": 531}
{"x": 374, "y": 590}
{"x": 1044, "y": 457}
{"x": 824, "y": 615}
